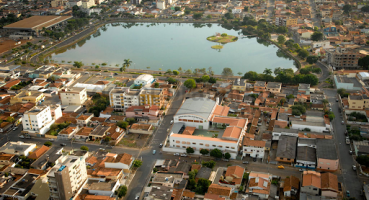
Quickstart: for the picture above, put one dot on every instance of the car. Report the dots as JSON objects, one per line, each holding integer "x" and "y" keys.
{"x": 87, "y": 72}
{"x": 330, "y": 109}
{"x": 225, "y": 160}
{"x": 280, "y": 167}
{"x": 350, "y": 152}
{"x": 183, "y": 155}
{"x": 115, "y": 74}
{"x": 161, "y": 145}
{"x": 336, "y": 100}
{"x": 63, "y": 144}
{"x": 245, "y": 162}
{"x": 15, "y": 128}
{"x": 153, "y": 152}
{"x": 347, "y": 193}
{"x": 21, "y": 136}
{"x": 171, "y": 121}
{"x": 254, "y": 159}
{"x": 176, "y": 154}
{"x": 137, "y": 197}
{"x": 301, "y": 170}
{"x": 342, "y": 122}
{"x": 98, "y": 74}
{"x": 329, "y": 104}
{"x": 354, "y": 167}
{"x": 52, "y": 139}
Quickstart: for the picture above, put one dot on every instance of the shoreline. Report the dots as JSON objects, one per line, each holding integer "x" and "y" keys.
{"x": 43, "y": 55}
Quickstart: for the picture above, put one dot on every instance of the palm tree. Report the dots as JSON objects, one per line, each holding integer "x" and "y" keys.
{"x": 267, "y": 71}
{"x": 127, "y": 63}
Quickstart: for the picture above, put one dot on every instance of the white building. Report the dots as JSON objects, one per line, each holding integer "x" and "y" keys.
{"x": 88, "y": 4}
{"x": 160, "y": 5}
{"x": 76, "y": 96}
{"x": 144, "y": 79}
{"x": 253, "y": 148}
{"x": 67, "y": 177}
{"x": 37, "y": 120}
{"x": 122, "y": 161}
{"x": 18, "y": 148}
{"x": 325, "y": 44}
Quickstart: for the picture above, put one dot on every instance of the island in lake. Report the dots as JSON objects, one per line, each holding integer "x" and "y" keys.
{"x": 223, "y": 38}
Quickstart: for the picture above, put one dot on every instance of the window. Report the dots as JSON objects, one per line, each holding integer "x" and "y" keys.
{"x": 201, "y": 144}
{"x": 288, "y": 159}
{"x": 214, "y": 145}
{"x": 227, "y": 147}
{"x": 193, "y": 142}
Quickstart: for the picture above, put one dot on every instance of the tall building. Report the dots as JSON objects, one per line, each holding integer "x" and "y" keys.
{"x": 344, "y": 58}
{"x": 151, "y": 96}
{"x": 123, "y": 98}
{"x": 76, "y": 96}
{"x": 67, "y": 177}
{"x": 37, "y": 120}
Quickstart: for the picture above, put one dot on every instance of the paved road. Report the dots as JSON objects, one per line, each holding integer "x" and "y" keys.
{"x": 315, "y": 20}
{"x": 148, "y": 158}
{"x": 349, "y": 177}
{"x": 325, "y": 70}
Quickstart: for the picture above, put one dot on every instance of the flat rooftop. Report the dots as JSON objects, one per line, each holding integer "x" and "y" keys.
{"x": 37, "y": 22}
{"x": 345, "y": 79}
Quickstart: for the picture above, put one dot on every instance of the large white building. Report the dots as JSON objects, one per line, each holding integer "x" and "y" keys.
{"x": 67, "y": 177}
{"x": 37, "y": 120}
{"x": 121, "y": 98}
{"x": 74, "y": 97}
{"x": 195, "y": 117}
{"x": 144, "y": 79}
{"x": 18, "y": 148}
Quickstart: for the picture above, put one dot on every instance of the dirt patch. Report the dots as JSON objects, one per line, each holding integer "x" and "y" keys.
{"x": 8, "y": 44}
{"x": 134, "y": 140}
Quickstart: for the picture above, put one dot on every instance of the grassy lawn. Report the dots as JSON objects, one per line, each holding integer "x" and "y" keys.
{"x": 223, "y": 40}
{"x": 128, "y": 142}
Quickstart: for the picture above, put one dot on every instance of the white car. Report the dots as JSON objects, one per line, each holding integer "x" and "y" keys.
{"x": 15, "y": 128}
{"x": 176, "y": 154}
{"x": 171, "y": 122}
{"x": 21, "y": 136}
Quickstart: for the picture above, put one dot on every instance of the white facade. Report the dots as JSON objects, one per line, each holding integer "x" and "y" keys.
{"x": 77, "y": 174}
{"x": 314, "y": 127}
{"x": 76, "y": 97}
{"x": 144, "y": 79}
{"x": 117, "y": 165}
{"x": 108, "y": 193}
{"x": 37, "y": 120}
{"x": 70, "y": 4}
{"x": 160, "y": 5}
{"x": 253, "y": 151}
{"x": 131, "y": 100}
{"x": 88, "y": 4}
{"x": 56, "y": 111}
{"x": 192, "y": 120}
{"x": 18, "y": 148}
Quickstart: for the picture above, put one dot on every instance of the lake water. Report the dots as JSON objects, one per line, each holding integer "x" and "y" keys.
{"x": 173, "y": 45}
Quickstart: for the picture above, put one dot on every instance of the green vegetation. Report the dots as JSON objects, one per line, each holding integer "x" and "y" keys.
{"x": 223, "y": 38}
{"x": 298, "y": 110}
{"x": 190, "y": 150}
{"x": 20, "y": 85}
{"x": 77, "y": 64}
{"x": 137, "y": 163}
{"x": 122, "y": 124}
{"x": 100, "y": 103}
{"x": 307, "y": 70}
{"x": 356, "y": 116}
{"x": 227, "y": 155}
{"x": 342, "y": 92}
{"x": 281, "y": 39}
{"x": 285, "y": 76}
{"x": 122, "y": 191}
{"x": 201, "y": 187}
{"x": 364, "y": 62}
{"x": 217, "y": 47}
{"x": 363, "y": 160}
{"x": 216, "y": 153}
{"x": 227, "y": 72}
{"x": 190, "y": 83}
{"x": 210, "y": 164}
{"x": 56, "y": 128}
{"x": 204, "y": 151}
{"x": 84, "y": 148}
{"x": 171, "y": 80}
{"x": 25, "y": 162}
{"x": 48, "y": 143}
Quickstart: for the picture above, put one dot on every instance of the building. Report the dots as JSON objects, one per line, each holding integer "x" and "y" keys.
{"x": 260, "y": 86}
{"x": 239, "y": 84}
{"x": 67, "y": 177}
{"x": 311, "y": 182}
{"x": 259, "y": 184}
{"x": 285, "y": 21}
{"x": 34, "y": 25}
{"x": 74, "y": 97}
{"x": 274, "y": 87}
{"x": 291, "y": 186}
{"x": 27, "y": 96}
{"x": 304, "y": 88}
{"x": 123, "y": 98}
{"x": 144, "y": 112}
{"x": 286, "y": 151}
{"x": 358, "y": 101}
{"x": 253, "y": 148}
{"x": 152, "y": 96}
{"x": 329, "y": 185}
{"x": 326, "y": 154}
{"x": 160, "y": 5}
{"x": 306, "y": 157}
{"x": 144, "y": 79}
{"x": 37, "y": 120}
{"x": 234, "y": 175}
{"x": 343, "y": 58}
{"x": 18, "y": 148}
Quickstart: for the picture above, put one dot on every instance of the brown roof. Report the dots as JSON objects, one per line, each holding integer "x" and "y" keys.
{"x": 91, "y": 159}
{"x": 219, "y": 190}
{"x": 291, "y": 182}
{"x": 11, "y": 83}
{"x": 235, "y": 171}
{"x": 38, "y": 22}
{"x": 38, "y": 152}
{"x": 99, "y": 119}
{"x": 188, "y": 194}
{"x": 253, "y": 143}
{"x": 85, "y": 131}
{"x": 311, "y": 178}
{"x": 6, "y": 156}
{"x": 124, "y": 158}
{"x": 196, "y": 166}
{"x": 189, "y": 130}
{"x": 329, "y": 181}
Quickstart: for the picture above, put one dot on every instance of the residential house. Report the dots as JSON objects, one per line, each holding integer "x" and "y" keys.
{"x": 18, "y": 148}
{"x": 27, "y": 96}
{"x": 84, "y": 119}
{"x": 145, "y": 111}
{"x": 259, "y": 184}
{"x": 311, "y": 182}
{"x": 260, "y": 86}
{"x": 83, "y": 133}
{"x": 329, "y": 185}
{"x": 239, "y": 84}
{"x": 38, "y": 152}
{"x": 234, "y": 175}
{"x": 291, "y": 186}
{"x": 222, "y": 191}
{"x": 99, "y": 132}
{"x": 68, "y": 133}
{"x": 286, "y": 151}
{"x": 76, "y": 96}
{"x": 253, "y": 148}
{"x": 274, "y": 87}
{"x": 326, "y": 154}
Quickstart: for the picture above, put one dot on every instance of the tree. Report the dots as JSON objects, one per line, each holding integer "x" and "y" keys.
{"x": 84, "y": 148}
{"x": 202, "y": 186}
{"x": 227, "y": 72}
{"x": 175, "y": 72}
{"x": 48, "y": 143}
{"x": 365, "y": 9}
{"x": 229, "y": 15}
{"x": 312, "y": 59}
{"x": 127, "y": 63}
{"x": 130, "y": 120}
{"x": 177, "y": 8}
{"x": 190, "y": 150}
{"x": 204, "y": 151}
{"x": 168, "y": 71}
{"x": 156, "y": 85}
{"x": 210, "y": 164}
{"x": 227, "y": 155}
{"x": 205, "y": 78}
{"x": 137, "y": 163}
{"x": 316, "y": 36}
{"x": 212, "y": 80}
{"x": 364, "y": 62}
{"x": 347, "y": 9}
{"x": 224, "y": 35}
{"x": 197, "y": 15}
{"x": 122, "y": 124}
{"x": 303, "y": 53}
{"x": 171, "y": 80}
{"x": 246, "y": 8}
{"x": 267, "y": 71}
{"x": 209, "y": 17}
{"x": 341, "y": 92}
{"x": 216, "y": 153}
{"x": 77, "y": 64}
{"x": 122, "y": 191}
{"x": 107, "y": 139}
{"x": 251, "y": 75}
{"x": 190, "y": 83}
{"x": 281, "y": 39}
{"x": 290, "y": 96}
{"x": 192, "y": 174}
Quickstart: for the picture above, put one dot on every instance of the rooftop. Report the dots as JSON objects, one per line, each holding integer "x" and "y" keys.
{"x": 287, "y": 147}
{"x": 326, "y": 149}
{"x": 37, "y": 22}
{"x": 305, "y": 153}
{"x": 202, "y": 107}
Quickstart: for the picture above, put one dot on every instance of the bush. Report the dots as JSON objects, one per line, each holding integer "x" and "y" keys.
{"x": 204, "y": 151}
{"x": 122, "y": 191}
{"x": 227, "y": 155}
{"x": 210, "y": 164}
{"x": 48, "y": 143}
{"x": 137, "y": 163}
{"x": 216, "y": 153}
{"x": 190, "y": 150}
{"x": 84, "y": 148}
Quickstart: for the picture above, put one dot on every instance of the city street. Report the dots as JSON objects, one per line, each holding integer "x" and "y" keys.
{"x": 348, "y": 177}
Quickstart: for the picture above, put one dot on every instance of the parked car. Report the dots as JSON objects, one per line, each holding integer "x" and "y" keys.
{"x": 350, "y": 152}
{"x": 347, "y": 193}
{"x": 354, "y": 167}
{"x": 116, "y": 74}
{"x": 176, "y": 154}
{"x": 336, "y": 100}
{"x": 161, "y": 145}
{"x": 183, "y": 155}
{"x": 171, "y": 121}
{"x": 21, "y": 136}
{"x": 245, "y": 162}
{"x": 347, "y": 141}
{"x": 280, "y": 167}
{"x": 52, "y": 139}
{"x": 63, "y": 144}
{"x": 343, "y": 122}
{"x": 225, "y": 160}
{"x": 153, "y": 152}
{"x": 15, "y": 128}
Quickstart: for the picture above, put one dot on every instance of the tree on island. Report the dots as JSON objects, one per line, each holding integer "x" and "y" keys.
{"x": 190, "y": 83}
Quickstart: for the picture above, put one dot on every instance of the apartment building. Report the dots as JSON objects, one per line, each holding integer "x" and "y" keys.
{"x": 343, "y": 58}
{"x": 274, "y": 87}
{"x": 239, "y": 84}
{"x": 358, "y": 101}
{"x": 27, "y": 96}
{"x": 37, "y": 120}
{"x": 86, "y": 4}
{"x": 67, "y": 177}
{"x": 73, "y": 97}
{"x": 285, "y": 21}
{"x": 152, "y": 96}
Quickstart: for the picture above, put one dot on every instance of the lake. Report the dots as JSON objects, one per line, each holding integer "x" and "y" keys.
{"x": 173, "y": 45}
